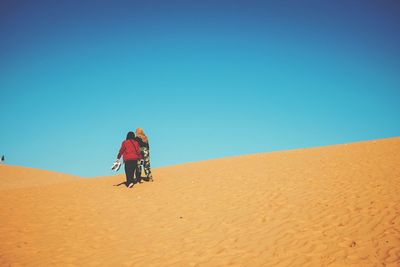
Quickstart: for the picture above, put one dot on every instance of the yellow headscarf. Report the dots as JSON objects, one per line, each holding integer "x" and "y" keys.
{"x": 141, "y": 135}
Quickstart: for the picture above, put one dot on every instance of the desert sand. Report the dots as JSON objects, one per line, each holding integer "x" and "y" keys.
{"x": 328, "y": 206}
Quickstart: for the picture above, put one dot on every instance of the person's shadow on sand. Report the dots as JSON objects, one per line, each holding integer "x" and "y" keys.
{"x": 136, "y": 182}
{"x": 123, "y": 183}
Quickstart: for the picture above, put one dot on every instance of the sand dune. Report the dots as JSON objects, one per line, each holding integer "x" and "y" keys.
{"x": 328, "y": 206}
{"x": 12, "y": 177}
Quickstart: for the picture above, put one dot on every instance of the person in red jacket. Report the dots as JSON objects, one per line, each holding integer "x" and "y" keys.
{"x": 130, "y": 151}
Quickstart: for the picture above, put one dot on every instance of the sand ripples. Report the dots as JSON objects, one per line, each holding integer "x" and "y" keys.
{"x": 330, "y": 206}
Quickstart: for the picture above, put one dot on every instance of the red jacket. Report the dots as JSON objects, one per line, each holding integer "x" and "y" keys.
{"x": 130, "y": 150}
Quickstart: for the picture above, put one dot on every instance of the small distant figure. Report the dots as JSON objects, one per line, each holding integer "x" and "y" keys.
{"x": 143, "y": 141}
{"x": 130, "y": 151}
{"x": 2, "y": 159}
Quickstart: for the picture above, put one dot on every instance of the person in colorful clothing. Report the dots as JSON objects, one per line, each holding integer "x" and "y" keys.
{"x": 130, "y": 151}
{"x": 145, "y": 149}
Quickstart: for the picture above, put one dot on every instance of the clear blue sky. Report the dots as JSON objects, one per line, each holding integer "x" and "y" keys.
{"x": 204, "y": 79}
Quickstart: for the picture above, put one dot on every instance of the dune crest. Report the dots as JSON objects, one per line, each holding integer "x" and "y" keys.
{"x": 20, "y": 177}
{"x": 327, "y": 206}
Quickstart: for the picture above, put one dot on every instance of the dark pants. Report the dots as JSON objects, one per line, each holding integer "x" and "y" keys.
{"x": 130, "y": 169}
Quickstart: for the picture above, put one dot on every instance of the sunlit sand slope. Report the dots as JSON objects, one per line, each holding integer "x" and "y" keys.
{"x": 12, "y": 177}
{"x": 328, "y": 206}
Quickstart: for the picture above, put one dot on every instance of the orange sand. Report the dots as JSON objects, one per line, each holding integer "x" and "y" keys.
{"x": 328, "y": 206}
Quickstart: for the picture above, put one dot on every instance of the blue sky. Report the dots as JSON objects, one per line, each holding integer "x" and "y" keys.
{"x": 204, "y": 79}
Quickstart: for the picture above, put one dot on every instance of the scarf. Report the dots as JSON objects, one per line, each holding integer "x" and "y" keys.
{"x": 141, "y": 135}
